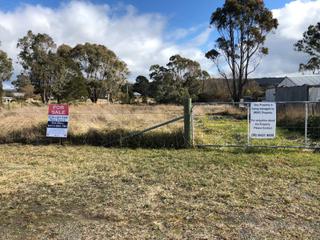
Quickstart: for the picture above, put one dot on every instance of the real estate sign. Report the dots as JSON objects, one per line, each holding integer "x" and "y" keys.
{"x": 263, "y": 120}
{"x": 58, "y": 118}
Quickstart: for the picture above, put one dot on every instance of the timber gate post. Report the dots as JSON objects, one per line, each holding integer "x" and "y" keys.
{"x": 188, "y": 123}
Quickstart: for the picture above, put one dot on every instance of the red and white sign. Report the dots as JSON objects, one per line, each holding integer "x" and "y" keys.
{"x": 58, "y": 109}
{"x": 58, "y": 118}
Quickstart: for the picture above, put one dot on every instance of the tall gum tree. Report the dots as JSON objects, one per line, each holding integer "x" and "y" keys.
{"x": 242, "y": 26}
{"x": 68, "y": 82}
{"x": 5, "y": 70}
{"x": 103, "y": 71}
{"x": 310, "y": 44}
{"x": 179, "y": 79}
{"x": 35, "y": 55}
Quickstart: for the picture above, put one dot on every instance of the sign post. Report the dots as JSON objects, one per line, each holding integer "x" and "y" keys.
{"x": 263, "y": 120}
{"x": 58, "y": 118}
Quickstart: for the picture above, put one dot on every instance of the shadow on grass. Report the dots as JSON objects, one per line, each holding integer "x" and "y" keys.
{"x": 107, "y": 138}
{"x": 255, "y": 150}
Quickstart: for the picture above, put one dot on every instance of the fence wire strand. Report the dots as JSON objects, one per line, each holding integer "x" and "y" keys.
{"x": 226, "y": 124}
{"x": 100, "y": 124}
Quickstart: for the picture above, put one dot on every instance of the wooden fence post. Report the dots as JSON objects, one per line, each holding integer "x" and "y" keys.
{"x": 188, "y": 123}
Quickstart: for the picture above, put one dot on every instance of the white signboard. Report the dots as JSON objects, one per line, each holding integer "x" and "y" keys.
{"x": 263, "y": 120}
{"x": 58, "y": 119}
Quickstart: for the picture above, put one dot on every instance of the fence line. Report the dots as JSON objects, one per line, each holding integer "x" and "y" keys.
{"x": 213, "y": 124}
{"x": 291, "y": 122}
{"x": 151, "y": 128}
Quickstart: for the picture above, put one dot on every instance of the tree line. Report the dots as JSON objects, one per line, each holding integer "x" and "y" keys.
{"x": 93, "y": 71}
{"x": 181, "y": 78}
{"x": 65, "y": 73}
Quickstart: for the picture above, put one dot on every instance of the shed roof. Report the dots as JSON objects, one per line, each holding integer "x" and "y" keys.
{"x": 269, "y": 82}
{"x": 300, "y": 81}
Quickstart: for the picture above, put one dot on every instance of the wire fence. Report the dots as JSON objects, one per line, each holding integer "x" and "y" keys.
{"x": 96, "y": 124}
{"x": 205, "y": 124}
{"x": 229, "y": 124}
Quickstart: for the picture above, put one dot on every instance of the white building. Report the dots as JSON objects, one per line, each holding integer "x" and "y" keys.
{"x": 7, "y": 100}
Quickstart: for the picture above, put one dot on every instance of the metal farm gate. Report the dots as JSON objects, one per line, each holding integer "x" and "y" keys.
{"x": 226, "y": 124}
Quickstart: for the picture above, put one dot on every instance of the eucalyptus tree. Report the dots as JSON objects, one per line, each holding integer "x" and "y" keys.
{"x": 21, "y": 82}
{"x": 142, "y": 86}
{"x": 23, "y": 85}
{"x": 243, "y": 26}
{"x": 35, "y": 56}
{"x": 67, "y": 80}
{"x": 310, "y": 44}
{"x": 5, "y": 70}
{"x": 103, "y": 71}
{"x": 180, "y": 78}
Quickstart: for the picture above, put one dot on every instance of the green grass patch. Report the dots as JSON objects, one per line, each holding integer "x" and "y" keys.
{"x": 83, "y": 192}
{"x": 227, "y": 130}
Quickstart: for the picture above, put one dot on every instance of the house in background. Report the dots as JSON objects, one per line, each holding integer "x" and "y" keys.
{"x": 18, "y": 95}
{"x": 11, "y": 95}
{"x": 302, "y": 88}
{"x": 7, "y": 100}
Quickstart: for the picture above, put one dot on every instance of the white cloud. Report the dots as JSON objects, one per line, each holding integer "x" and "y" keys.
{"x": 139, "y": 39}
{"x": 142, "y": 39}
{"x": 202, "y": 38}
{"x": 181, "y": 33}
{"x": 294, "y": 19}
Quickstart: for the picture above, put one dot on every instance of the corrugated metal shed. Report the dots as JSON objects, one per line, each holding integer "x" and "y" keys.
{"x": 298, "y": 93}
{"x": 300, "y": 81}
{"x": 302, "y": 88}
{"x": 268, "y": 82}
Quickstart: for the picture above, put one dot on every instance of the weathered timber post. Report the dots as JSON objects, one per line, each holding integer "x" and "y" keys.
{"x": 306, "y": 124}
{"x": 188, "y": 123}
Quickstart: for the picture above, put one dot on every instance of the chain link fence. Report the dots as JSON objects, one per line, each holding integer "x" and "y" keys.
{"x": 228, "y": 125}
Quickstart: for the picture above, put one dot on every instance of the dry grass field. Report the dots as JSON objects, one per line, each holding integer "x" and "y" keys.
{"x": 78, "y": 191}
{"x": 94, "y": 124}
{"x": 106, "y": 124}
{"x": 92, "y": 116}
{"x": 102, "y": 124}
{"x": 54, "y": 192}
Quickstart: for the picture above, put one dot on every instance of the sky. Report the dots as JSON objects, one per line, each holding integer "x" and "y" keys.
{"x": 146, "y": 32}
